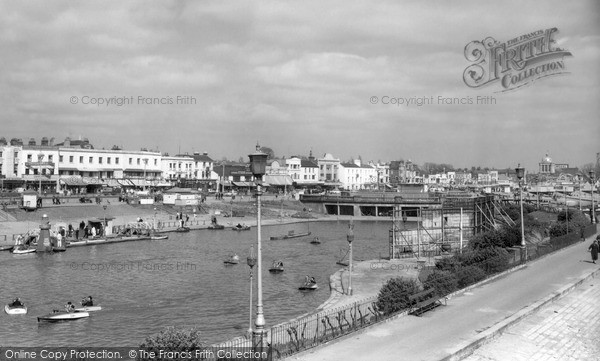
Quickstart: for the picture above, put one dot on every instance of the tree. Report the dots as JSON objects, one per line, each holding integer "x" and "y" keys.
{"x": 270, "y": 153}
{"x": 172, "y": 339}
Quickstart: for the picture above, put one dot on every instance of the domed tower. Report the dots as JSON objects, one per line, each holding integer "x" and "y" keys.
{"x": 547, "y": 166}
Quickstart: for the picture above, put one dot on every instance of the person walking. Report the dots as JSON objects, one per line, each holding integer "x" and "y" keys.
{"x": 594, "y": 250}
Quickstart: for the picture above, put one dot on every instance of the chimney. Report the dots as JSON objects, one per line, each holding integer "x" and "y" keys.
{"x": 67, "y": 142}
{"x": 44, "y": 141}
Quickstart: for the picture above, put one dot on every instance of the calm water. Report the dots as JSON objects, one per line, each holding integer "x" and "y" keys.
{"x": 182, "y": 281}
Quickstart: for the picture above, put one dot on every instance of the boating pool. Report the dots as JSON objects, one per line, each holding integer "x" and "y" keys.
{"x": 144, "y": 286}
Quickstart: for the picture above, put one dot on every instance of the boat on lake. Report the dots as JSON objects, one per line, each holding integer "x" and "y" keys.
{"x": 15, "y": 308}
{"x": 234, "y": 259}
{"x": 57, "y": 316}
{"x": 156, "y": 237}
{"x": 182, "y": 229}
{"x": 88, "y": 308}
{"x": 309, "y": 285}
{"x": 315, "y": 240}
{"x": 23, "y": 250}
{"x": 276, "y": 267}
{"x": 241, "y": 227}
{"x": 6, "y": 248}
{"x": 291, "y": 234}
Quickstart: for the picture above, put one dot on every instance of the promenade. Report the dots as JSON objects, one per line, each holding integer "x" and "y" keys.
{"x": 478, "y": 315}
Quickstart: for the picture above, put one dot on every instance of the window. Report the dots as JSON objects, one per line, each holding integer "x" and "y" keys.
{"x": 99, "y": 160}
{"x": 29, "y": 157}
{"x": 130, "y": 160}
{"x": 50, "y": 158}
{"x": 60, "y": 158}
{"x": 138, "y": 161}
{"x": 116, "y": 160}
{"x": 91, "y": 160}
{"x": 70, "y": 159}
{"x": 107, "y": 160}
{"x": 155, "y": 161}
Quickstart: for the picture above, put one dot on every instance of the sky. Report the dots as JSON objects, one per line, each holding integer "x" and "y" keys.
{"x": 298, "y": 76}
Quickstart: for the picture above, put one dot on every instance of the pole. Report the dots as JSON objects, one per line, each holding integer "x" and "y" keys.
{"x": 460, "y": 228}
{"x": 522, "y": 225}
{"x": 593, "y": 217}
{"x": 579, "y": 191}
{"x": 250, "y": 316}
{"x": 419, "y": 233}
{"x": 260, "y": 318}
{"x": 350, "y": 272}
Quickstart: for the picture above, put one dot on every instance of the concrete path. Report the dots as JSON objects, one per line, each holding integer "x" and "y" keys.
{"x": 567, "y": 329}
{"x": 483, "y": 312}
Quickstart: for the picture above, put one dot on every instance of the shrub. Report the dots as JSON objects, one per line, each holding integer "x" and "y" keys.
{"x": 393, "y": 296}
{"x": 448, "y": 264}
{"x": 174, "y": 340}
{"x": 468, "y": 275}
{"x": 444, "y": 282}
{"x": 491, "y": 259}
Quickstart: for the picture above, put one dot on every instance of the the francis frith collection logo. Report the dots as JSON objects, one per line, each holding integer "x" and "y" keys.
{"x": 516, "y": 62}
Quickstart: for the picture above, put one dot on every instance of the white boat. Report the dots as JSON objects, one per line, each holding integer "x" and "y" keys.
{"x": 88, "y": 308}
{"x": 235, "y": 259}
{"x": 308, "y": 286}
{"x": 23, "y": 251}
{"x": 15, "y": 310}
{"x": 63, "y": 316}
{"x": 158, "y": 237}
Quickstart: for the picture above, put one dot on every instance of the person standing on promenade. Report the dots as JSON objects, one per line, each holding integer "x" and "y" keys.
{"x": 594, "y": 250}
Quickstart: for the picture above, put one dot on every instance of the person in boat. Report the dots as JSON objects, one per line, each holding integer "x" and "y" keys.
{"x": 70, "y": 307}
{"x": 239, "y": 225}
{"x": 310, "y": 280}
{"x": 87, "y": 302}
{"x": 16, "y": 303}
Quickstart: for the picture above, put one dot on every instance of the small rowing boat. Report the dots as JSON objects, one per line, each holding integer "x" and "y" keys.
{"x": 308, "y": 286}
{"x": 6, "y": 248}
{"x": 315, "y": 240}
{"x": 183, "y": 229}
{"x": 158, "y": 237}
{"x": 276, "y": 267}
{"x": 15, "y": 310}
{"x": 241, "y": 227}
{"x": 23, "y": 251}
{"x": 291, "y": 234}
{"x": 235, "y": 259}
{"x": 57, "y": 316}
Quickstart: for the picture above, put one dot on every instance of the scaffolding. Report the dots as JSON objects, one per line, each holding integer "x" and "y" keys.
{"x": 435, "y": 229}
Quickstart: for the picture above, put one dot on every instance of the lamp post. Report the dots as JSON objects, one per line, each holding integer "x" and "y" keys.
{"x": 104, "y": 223}
{"x": 145, "y": 164}
{"x": 40, "y": 160}
{"x": 154, "y": 219}
{"x": 520, "y": 173}
{"x": 579, "y": 191}
{"x": 593, "y": 215}
{"x": 258, "y": 166}
{"x": 350, "y": 239}
{"x": 251, "y": 263}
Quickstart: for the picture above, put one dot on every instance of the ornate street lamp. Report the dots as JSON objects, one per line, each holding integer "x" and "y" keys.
{"x": 258, "y": 167}
{"x": 350, "y": 239}
{"x": 593, "y": 214}
{"x": 520, "y": 173}
{"x": 40, "y": 160}
{"x": 251, "y": 263}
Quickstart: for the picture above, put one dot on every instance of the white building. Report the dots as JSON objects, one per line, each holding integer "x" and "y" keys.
{"x": 329, "y": 170}
{"x": 354, "y": 176}
{"x": 177, "y": 167}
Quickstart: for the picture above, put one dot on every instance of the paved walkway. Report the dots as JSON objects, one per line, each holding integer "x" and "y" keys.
{"x": 567, "y": 329}
{"x": 470, "y": 318}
